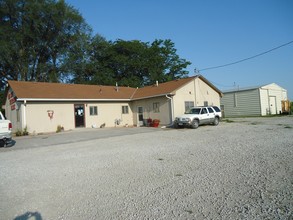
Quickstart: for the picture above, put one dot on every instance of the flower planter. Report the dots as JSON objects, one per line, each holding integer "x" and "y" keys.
{"x": 149, "y": 122}
{"x": 155, "y": 123}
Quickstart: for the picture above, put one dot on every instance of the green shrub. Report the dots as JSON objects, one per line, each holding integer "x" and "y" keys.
{"x": 23, "y": 132}
{"x": 59, "y": 129}
{"x": 18, "y": 132}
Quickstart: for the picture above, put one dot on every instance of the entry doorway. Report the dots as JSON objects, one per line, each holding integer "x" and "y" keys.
{"x": 79, "y": 115}
{"x": 139, "y": 116}
{"x": 273, "y": 109}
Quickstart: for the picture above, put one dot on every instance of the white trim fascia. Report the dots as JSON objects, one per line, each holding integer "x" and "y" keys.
{"x": 155, "y": 96}
{"x": 70, "y": 100}
{"x": 78, "y": 100}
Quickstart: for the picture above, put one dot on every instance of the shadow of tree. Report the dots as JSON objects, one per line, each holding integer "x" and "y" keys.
{"x": 29, "y": 216}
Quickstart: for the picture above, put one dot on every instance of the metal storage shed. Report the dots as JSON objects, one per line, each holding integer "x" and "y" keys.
{"x": 254, "y": 101}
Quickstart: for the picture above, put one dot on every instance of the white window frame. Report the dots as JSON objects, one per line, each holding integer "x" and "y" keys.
{"x": 156, "y": 107}
{"x": 188, "y": 105}
{"x": 93, "y": 110}
{"x": 125, "y": 109}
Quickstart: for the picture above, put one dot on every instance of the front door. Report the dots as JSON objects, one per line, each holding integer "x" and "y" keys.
{"x": 79, "y": 115}
{"x": 273, "y": 109}
{"x": 140, "y": 116}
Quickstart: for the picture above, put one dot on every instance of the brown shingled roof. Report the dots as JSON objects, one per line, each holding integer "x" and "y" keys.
{"x": 40, "y": 90}
{"x": 59, "y": 91}
{"x": 166, "y": 88}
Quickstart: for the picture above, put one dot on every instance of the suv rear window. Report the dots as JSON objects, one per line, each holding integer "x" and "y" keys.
{"x": 211, "y": 110}
{"x": 216, "y": 109}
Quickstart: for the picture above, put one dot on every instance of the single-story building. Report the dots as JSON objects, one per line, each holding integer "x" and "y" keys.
{"x": 42, "y": 107}
{"x": 254, "y": 101}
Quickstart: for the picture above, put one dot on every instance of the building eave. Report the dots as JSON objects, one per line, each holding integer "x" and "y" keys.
{"x": 154, "y": 96}
{"x": 71, "y": 100}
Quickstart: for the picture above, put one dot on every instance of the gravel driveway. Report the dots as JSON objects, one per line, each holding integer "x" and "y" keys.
{"x": 238, "y": 170}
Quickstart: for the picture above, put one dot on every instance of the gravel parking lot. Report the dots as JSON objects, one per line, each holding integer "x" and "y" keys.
{"x": 241, "y": 169}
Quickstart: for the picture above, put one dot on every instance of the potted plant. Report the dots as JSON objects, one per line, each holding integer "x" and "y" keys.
{"x": 149, "y": 122}
{"x": 156, "y": 123}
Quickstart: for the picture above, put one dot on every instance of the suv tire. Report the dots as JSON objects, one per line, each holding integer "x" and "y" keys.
{"x": 216, "y": 121}
{"x": 175, "y": 125}
{"x": 194, "y": 124}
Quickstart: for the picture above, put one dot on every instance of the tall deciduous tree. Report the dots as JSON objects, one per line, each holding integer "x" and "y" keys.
{"x": 48, "y": 40}
{"x": 35, "y": 37}
{"x": 131, "y": 63}
{"x": 165, "y": 63}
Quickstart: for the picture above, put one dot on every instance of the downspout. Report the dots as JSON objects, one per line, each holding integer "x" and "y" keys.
{"x": 172, "y": 109}
{"x": 24, "y": 115}
{"x": 195, "y": 99}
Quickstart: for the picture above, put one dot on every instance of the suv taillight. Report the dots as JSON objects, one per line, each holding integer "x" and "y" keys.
{"x": 10, "y": 126}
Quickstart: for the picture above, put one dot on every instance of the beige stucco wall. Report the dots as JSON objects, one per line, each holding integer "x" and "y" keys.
{"x": 38, "y": 121}
{"x": 108, "y": 112}
{"x": 196, "y": 91}
{"x": 148, "y": 112}
{"x": 206, "y": 93}
{"x": 184, "y": 94}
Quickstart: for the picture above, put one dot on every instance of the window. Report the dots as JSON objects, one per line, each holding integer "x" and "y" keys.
{"x": 188, "y": 105}
{"x": 93, "y": 110}
{"x": 124, "y": 109}
{"x": 216, "y": 109}
{"x": 203, "y": 111}
{"x": 210, "y": 110}
{"x": 156, "y": 107}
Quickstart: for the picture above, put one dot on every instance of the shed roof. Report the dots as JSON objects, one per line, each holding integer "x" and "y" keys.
{"x": 58, "y": 91}
{"x": 266, "y": 86}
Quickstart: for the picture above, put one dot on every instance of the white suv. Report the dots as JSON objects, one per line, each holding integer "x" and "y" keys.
{"x": 199, "y": 115}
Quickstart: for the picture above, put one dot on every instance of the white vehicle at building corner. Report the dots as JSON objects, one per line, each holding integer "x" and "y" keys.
{"x": 5, "y": 131}
{"x": 199, "y": 115}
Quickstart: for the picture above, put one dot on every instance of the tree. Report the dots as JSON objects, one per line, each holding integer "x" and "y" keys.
{"x": 83, "y": 62}
{"x": 126, "y": 61}
{"x": 131, "y": 63}
{"x": 48, "y": 40}
{"x": 164, "y": 62}
{"x": 35, "y": 37}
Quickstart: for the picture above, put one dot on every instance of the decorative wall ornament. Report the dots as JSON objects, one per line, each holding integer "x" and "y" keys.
{"x": 50, "y": 114}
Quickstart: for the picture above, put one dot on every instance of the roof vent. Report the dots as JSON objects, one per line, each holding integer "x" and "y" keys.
{"x": 117, "y": 88}
{"x": 157, "y": 83}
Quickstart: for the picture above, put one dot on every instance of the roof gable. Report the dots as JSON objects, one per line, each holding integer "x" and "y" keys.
{"x": 272, "y": 86}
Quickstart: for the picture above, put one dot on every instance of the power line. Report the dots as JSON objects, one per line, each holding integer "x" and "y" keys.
{"x": 249, "y": 58}
{"x": 227, "y": 86}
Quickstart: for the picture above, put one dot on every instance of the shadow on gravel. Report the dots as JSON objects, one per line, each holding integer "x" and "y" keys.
{"x": 11, "y": 144}
{"x": 29, "y": 215}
